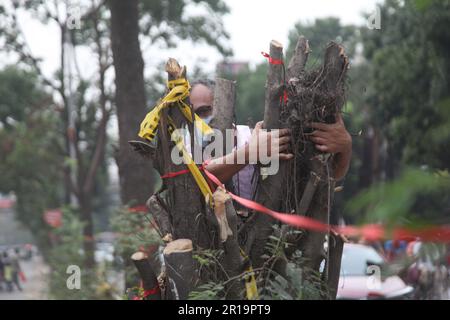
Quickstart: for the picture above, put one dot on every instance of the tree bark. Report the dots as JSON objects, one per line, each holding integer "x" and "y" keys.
{"x": 134, "y": 171}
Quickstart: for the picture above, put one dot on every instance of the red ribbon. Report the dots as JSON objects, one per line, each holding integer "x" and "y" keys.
{"x": 147, "y": 293}
{"x": 272, "y": 60}
{"x": 284, "y": 97}
{"x": 295, "y": 220}
{"x": 138, "y": 209}
{"x": 179, "y": 173}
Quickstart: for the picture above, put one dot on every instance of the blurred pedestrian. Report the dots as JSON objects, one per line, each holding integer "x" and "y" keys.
{"x": 7, "y": 272}
{"x": 17, "y": 270}
{"x": 2, "y": 271}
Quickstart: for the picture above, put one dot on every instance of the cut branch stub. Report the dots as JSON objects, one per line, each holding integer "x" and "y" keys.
{"x": 299, "y": 59}
{"x": 336, "y": 64}
{"x": 149, "y": 280}
{"x": 274, "y": 86}
{"x": 174, "y": 70}
{"x": 161, "y": 216}
{"x": 223, "y": 107}
{"x": 220, "y": 198}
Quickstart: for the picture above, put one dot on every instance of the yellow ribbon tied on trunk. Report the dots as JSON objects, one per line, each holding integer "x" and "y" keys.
{"x": 179, "y": 91}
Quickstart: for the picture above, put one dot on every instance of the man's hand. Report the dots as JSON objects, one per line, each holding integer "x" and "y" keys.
{"x": 276, "y": 142}
{"x": 224, "y": 168}
{"x": 332, "y": 138}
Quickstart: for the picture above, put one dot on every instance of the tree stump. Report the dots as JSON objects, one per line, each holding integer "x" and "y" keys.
{"x": 180, "y": 267}
{"x": 149, "y": 280}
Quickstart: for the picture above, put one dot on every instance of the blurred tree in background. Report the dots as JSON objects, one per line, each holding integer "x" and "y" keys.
{"x": 83, "y": 105}
{"x": 30, "y": 149}
{"x": 408, "y": 98}
{"x": 409, "y": 72}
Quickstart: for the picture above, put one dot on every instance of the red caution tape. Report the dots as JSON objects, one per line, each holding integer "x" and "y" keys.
{"x": 272, "y": 60}
{"x": 369, "y": 232}
{"x": 295, "y": 220}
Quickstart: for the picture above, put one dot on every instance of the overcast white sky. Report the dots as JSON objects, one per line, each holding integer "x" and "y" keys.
{"x": 251, "y": 24}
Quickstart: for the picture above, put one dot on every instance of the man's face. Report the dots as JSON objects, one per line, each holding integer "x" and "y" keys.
{"x": 202, "y": 100}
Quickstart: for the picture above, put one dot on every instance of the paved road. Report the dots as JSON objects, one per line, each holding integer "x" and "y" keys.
{"x": 35, "y": 286}
{"x": 13, "y": 233}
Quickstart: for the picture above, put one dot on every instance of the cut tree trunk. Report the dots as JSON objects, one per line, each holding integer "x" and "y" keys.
{"x": 270, "y": 188}
{"x": 186, "y": 215}
{"x": 315, "y": 96}
{"x": 180, "y": 268}
{"x": 305, "y": 185}
{"x": 187, "y": 205}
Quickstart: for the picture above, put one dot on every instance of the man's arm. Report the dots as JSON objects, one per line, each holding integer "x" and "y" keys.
{"x": 224, "y": 168}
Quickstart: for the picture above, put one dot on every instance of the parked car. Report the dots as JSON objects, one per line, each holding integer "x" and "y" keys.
{"x": 361, "y": 276}
{"x": 104, "y": 252}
